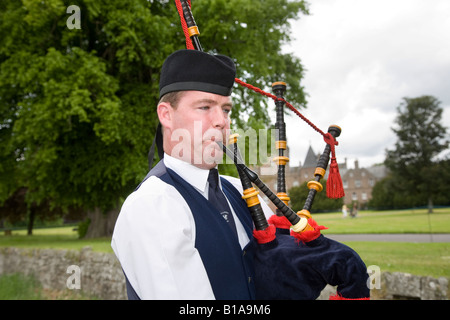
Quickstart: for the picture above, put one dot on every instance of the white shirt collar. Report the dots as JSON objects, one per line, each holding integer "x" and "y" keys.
{"x": 196, "y": 177}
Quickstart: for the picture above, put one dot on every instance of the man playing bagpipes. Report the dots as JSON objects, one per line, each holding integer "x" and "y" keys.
{"x": 171, "y": 241}
{"x": 175, "y": 244}
{"x": 186, "y": 233}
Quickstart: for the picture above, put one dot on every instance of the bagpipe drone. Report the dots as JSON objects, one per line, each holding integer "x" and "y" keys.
{"x": 293, "y": 260}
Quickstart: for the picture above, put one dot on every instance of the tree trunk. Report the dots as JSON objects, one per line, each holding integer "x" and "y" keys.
{"x": 102, "y": 224}
{"x": 31, "y": 221}
{"x": 430, "y": 205}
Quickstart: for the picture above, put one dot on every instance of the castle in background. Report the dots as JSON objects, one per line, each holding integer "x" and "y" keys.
{"x": 358, "y": 182}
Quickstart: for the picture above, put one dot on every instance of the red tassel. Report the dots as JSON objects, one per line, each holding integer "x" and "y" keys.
{"x": 335, "y": 189}
{"x": 309, "y": 235}
{"x": 265, "y": 236}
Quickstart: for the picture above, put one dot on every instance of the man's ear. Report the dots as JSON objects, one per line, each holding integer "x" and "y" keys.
{"x": 164, "y": 114}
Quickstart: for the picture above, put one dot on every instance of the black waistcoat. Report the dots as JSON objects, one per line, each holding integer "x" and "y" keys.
{"x": 229, "y": 268}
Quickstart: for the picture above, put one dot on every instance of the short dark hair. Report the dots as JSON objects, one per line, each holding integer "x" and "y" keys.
{"x": 172, "y": 97}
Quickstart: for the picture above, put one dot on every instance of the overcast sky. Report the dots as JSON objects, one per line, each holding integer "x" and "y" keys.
{"x": 361, "y": 58}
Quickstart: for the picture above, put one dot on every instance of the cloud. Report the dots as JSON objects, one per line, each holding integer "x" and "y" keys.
{"x": 362, "y": 58}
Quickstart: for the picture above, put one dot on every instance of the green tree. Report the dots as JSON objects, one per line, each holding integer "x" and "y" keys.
{"x": 420, "y": 139}
{"x": 393, "y": 193}
{"x": 77, "y": 106}
{"x": 441, "y": 171}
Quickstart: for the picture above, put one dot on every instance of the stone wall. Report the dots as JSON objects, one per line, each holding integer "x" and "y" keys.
{"x": 403, "y": 286}
{"x": 100, "y": 275}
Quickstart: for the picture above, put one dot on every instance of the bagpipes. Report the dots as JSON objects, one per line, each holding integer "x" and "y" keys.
{"x": 293, "y": 260}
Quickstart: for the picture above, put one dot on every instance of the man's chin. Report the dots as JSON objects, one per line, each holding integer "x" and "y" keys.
{"x": 211, "y": 157}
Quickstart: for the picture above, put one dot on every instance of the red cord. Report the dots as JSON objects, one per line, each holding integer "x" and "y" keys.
{"x": 290, "y": 106}
{"x": 189, "y": 44}
{"x": 327, "y": 137}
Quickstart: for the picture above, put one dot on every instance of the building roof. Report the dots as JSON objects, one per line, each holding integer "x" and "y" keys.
{"x": 379, "y": 171}
{"x": 310, "y": 159}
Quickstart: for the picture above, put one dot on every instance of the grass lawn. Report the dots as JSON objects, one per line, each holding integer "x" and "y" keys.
{"x": 426, "y": 259}
{"x": 422, "y": 259}
{"x": 20, "y": 287}
{"x": 54, "y": 238}
{"x": 400, "y": 221}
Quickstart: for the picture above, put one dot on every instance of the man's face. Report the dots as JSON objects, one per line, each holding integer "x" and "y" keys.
{"x": 191, "y": 129}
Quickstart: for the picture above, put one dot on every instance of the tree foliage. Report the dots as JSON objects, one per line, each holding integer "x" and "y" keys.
{"x": 420, "y": 135}
{"x": 394, "y": 192}
{"x": 417, "y": 175}
{"x": 77, "y": 106}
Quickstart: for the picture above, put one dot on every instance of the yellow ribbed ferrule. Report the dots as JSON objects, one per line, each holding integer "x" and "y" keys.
{"x": 233, "y": 138}
{"x": 319, "y": 171}
{"x": 280, "y": 144}
{"x": 251, "y": 197}
{"x": 315, "y": 185}
{"x": 193, "y": 31}
{"x": 283, "y": 197}
{"x": 308, "y": 227}
{"x": 336, "y": 126}
{"x": 278, "y": 83}
{"x": 281, "y": 160}
{"x": 304, "y": 214}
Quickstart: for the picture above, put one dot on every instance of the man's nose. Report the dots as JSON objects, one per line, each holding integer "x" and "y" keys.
{"x": 218, "y": 118}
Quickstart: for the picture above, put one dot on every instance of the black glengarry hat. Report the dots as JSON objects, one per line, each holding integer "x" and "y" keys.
{"x": 197, "y": 70}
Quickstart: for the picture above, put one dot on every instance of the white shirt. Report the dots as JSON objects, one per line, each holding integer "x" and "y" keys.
{"x": 154, "y": 237}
